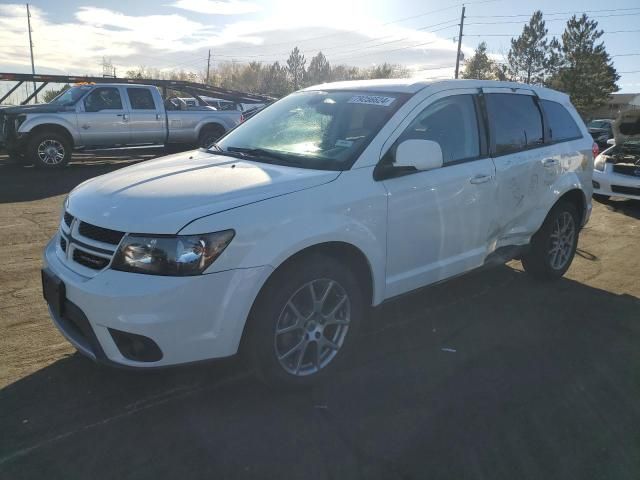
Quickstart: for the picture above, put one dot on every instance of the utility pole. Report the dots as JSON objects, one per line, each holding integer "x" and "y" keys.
{"x": 33, "y": 68}
{"x": 459, "y": 42}
{"x": 208, "y": 65}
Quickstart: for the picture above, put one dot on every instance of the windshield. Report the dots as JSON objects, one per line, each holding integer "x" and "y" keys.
{"x": 71, "y": 96}
{"x": 314, "y": 129}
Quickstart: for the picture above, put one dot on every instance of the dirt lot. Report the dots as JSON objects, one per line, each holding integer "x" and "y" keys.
{"x": 490, "y": 376}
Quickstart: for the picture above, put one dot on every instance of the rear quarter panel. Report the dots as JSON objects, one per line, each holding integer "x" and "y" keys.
{"x": 185, "y": 125}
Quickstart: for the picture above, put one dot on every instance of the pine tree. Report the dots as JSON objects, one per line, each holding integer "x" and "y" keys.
{"x": 528, "y": 54}
{"x": 319, "y": 70}
{"x": 586, "y": 72}
{"x": 295, "y": 64}
{"x": 481, "y": 67}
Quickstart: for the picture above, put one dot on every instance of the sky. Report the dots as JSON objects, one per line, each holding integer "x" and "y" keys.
{"x": 72, "y": 36}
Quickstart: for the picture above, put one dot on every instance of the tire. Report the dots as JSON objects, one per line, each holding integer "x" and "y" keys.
{"x": 289, "y": 358}
{"x": 49, "y": 149}
{"x": 553, "y": 247}
{"x": 209, "y": 134}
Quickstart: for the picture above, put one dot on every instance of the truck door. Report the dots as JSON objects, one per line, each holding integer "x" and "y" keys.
{"x": 146, "y": 118}
{"x": 103, "y": 118}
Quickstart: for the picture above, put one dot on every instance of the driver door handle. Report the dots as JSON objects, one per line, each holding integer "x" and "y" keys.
{"x": 480, "y": 179}
{"x": 550, "y": 162}
{"x": 124, "y": 116}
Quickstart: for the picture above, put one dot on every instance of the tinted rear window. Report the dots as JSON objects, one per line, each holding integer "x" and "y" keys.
{"x": 561, "y": 124}
{"x": 141, "y": 99}
{"x": 515, "y": 121}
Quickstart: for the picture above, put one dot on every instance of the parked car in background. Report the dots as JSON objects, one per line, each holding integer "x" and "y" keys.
{"x": 601, "y": 130}
{"x": 106, "y": 116}
{"x": 276, "y": 240}
{"x": 220, "y": 104}
{"x": 617, "y": 169}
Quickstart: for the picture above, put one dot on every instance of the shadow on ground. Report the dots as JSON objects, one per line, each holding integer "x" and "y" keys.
{"x": 490, "y": 376}
{"x": 19, "y": 183}
{"x": 628, "y": 207}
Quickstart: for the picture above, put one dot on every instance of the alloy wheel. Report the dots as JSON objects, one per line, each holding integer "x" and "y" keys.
{"x": 312, "y": 327}
{"x": 562, "y": 239}
{"x": 51, "y": 152}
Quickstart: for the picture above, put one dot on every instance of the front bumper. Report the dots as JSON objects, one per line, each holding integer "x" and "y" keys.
{"x": 615, "y": 185}
{"x": 188, "y": 318}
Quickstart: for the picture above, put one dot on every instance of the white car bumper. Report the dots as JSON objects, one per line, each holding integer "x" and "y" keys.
{"x": 614, "y": 184}
{"x": 187, "y": 318}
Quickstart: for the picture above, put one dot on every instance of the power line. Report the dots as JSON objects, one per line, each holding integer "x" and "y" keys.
{"x": 550, "y": 19}
{"x": 556, "y": 13}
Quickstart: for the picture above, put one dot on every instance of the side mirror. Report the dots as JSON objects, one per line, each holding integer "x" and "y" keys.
{"x": 611, "y": 141}
{"x": 420, "y": 154}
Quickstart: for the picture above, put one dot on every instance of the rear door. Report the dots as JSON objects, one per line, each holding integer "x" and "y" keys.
{"x": 517, "y": 141}
{"x": 103, "y": 118}
{"x": 146, "y": 118}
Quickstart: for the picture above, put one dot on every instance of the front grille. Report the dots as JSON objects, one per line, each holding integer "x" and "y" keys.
{"x": 100, "y": 234}
{"x": 89, "y": 260}
{"x": 625, "y": 190}
{"x": 63, "y": 244}
{"x": 633, "y": 170}
{"x": 68, "y": 218}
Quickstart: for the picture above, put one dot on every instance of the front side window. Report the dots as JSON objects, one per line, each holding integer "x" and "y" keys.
{"x": 103, "y": 98}
{"x": 71, "y": 96}
{"x": 452, "y": 123}
{"x": 315, "y": 129}
{"x": 140, "y": 99}
{"x": 515, "y": 122}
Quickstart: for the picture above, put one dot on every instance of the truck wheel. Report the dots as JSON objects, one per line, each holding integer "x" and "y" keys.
{"x": 304, "y": 322}
{"x": 209, "y": 134}
{"x": 553, "y": 247}
{"x": 49, "y": 150}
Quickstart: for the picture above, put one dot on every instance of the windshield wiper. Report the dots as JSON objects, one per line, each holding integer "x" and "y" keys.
{"x": 262, "y": 153}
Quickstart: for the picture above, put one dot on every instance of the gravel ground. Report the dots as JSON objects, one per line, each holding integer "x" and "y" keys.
{"x": 491, "y": 375}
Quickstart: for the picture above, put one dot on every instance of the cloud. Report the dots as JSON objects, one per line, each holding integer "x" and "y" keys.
{"x": 212, "y": 7}
{"x": 172, "y": 41}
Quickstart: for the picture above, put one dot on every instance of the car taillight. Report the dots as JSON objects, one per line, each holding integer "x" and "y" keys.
{"x": 595, "y": 149}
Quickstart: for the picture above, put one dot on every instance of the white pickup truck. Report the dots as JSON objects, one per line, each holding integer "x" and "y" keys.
{"x": 107, "y": 116}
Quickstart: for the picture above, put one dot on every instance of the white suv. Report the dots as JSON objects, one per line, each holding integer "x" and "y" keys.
{"x": 277, "y": 239}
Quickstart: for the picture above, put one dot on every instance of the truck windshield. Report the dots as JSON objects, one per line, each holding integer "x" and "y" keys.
{"x": 314, "y": 129}
{"x": 71, "y": 96}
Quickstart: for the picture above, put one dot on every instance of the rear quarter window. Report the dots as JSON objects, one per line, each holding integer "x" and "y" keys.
{"x": 561, "y": 124}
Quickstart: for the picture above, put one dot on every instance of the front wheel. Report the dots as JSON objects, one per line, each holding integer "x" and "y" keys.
{"x": 304, "y": 322}
{"x": 553, "y": 247}
{"x": 49, "y": 150}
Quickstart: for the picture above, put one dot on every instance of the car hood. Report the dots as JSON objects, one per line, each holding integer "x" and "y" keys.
{"x": 163, "y": 195}
{"x": 627, "y": 127}
{"x": 39, "y": 108}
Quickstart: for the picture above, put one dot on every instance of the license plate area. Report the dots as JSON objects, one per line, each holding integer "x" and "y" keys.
{"x": 54, "y": 291}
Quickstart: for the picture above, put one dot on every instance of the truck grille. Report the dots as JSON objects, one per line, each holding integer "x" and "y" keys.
{"x": 85, "y": 247}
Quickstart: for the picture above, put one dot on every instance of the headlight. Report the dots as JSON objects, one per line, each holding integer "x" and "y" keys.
{"x": 176, "y": 255}
{"x": 600, "y": 162}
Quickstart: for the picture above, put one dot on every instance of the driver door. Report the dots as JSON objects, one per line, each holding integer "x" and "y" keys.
{"x": 439, "y": 221}
{"x": 103, "y": 119}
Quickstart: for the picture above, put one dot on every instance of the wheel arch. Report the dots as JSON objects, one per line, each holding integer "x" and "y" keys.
{"x": 577, "y": 198}
{"x": 52, "y": 127}
{"x": 342, "y": 251}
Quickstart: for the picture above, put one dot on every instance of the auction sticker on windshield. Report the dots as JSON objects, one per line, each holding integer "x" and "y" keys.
{"x": 372, "y": 100}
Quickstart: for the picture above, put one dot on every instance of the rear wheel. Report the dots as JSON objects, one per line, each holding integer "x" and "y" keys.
{"x": 49, "y": 150}
{"x": 553, "y": 247}
{"x": 209, "y": 135}
{"x": 304, "y": 322}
